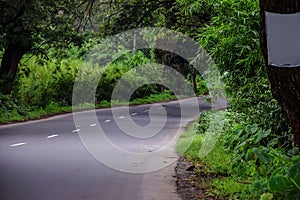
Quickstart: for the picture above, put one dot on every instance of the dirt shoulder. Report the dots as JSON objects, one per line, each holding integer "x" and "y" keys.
{"x": 192, "y": 181}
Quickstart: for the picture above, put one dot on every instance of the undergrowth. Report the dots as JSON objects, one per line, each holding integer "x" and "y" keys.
{"x": 252, "y": 162}
{"x": 44, "y": 86}
{"x": 255, "y": 155}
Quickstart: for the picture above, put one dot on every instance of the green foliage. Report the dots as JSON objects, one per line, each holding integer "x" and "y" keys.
{"x": 124, "y": 67}
{"x": 39, "y": 21}
{"x": 44, "y": 86}
{"x": 201, "y": 86}
{"x": 8, "y": 108}
{"x": 42, "y": 82}
{"x": 12, "y": 111}
{"x": 254, "y": 162}
{"x": 232, "y": 36}
{"x": 266, "y": 196}
{"x": 263, "y": 161}
{"x": 232, "y": 39}
{"x": 165, "y": 96}
{"x": 234, "y": 188}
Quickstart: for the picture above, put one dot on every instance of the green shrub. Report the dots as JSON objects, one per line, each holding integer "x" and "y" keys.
{"x": 40, "y": 83}
{"x": 125, "y": 65}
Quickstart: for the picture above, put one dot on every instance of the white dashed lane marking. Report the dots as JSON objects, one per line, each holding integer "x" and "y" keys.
{"x": 17, "y": 144}
{"x": 52, "y": 136}
{"x": 122, "y": 117}
{"x": 93, "y": 125}
{"x": 106, "y": 121}
{"x": 76, "y": 130}
{"x": 147, "y": 110}
{"x": 134, "y": 114}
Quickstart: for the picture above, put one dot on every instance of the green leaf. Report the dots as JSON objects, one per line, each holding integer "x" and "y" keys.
{"x": 293, "y": 151}
{"x": 278, "y": 183}
{"x": 259, "y": 185}
{"x": 296, "y": 158}
{"x": 251, "y": 129}
{"x": 278, "y": 171}
{"x": 296, "y": 181}
{"x": 260, "y": 135}
{"x": 294, "y": 170}
{"x": 262, "y": 155}
{"x": 273, "y": 142}
{"x": 266, "y": 196}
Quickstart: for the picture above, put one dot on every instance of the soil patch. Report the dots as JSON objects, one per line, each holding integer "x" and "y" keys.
{"x": 192, "y": 181}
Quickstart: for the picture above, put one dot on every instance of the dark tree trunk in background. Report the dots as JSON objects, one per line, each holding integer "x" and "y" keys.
{"x": 9, "y": 65}
{"x": 169, "y": 58}
{"x": 194, "y": 81}
{"x": 285, "y": 82}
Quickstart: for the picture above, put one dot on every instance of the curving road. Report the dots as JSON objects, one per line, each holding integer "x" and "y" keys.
{"x": 46, "y": 159}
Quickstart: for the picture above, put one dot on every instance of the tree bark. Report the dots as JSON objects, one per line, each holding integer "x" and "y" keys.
{"x": 9, "y": 65}
{"x": 285, "y": 82}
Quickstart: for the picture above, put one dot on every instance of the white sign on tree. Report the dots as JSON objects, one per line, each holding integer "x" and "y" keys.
{"x": 283, "y": 39}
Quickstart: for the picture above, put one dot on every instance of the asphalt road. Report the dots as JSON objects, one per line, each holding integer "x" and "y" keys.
{"x": 47, "y": 159}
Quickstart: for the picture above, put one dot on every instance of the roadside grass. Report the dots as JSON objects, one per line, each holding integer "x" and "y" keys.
{"x": 25, "y": 114}
{"x": 231, "y": 187}
{"x": 154, "y": 98}
{"x": 215, "y": 164}
{"x": 189, "y": 143}
{"x": 20, "y": 113}
{"x": 247, "y": 161}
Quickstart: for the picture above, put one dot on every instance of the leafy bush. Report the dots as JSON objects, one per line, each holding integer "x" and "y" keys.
{"x": 123, "y": 67}
{"x": 45, "y": 86}
{"x": 8, "y": 108}
{"x": 40, "y": 83}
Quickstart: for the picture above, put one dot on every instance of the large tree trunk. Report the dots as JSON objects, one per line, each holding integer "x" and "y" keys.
{"x": 285, "y": 82}
{"x": 9, "y": 65}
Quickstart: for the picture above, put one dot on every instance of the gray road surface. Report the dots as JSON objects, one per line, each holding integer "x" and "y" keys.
{"x": 46, "y": 160}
